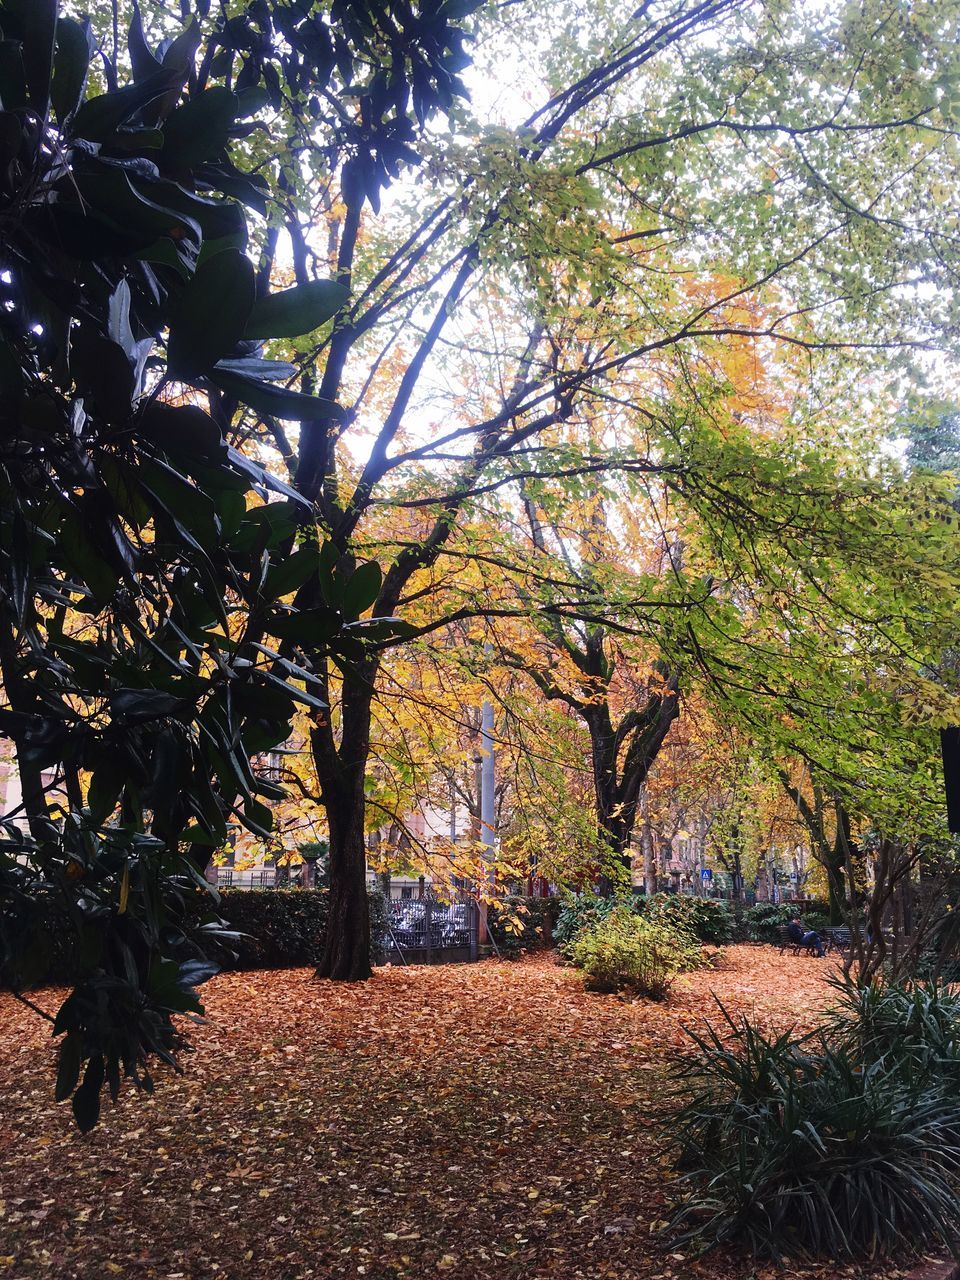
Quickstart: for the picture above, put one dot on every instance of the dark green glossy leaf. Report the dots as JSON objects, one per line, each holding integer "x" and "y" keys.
{"x": 361, "y": 589}
{"x": 40, "y": 35}
{"x": 182, "y": 428}
{"x": 276, "y": 402}
{"x": 105, "y": 786}
{"x": 143, "y": 704}
{"x": 102, "y": 372}
{"x": 296, "y": 311}
{"x": 118, "y": 195}
{"x": 100, "y": 117}
{"x": 89, "y": 565}
{"x": 86, "y": 1101}
{"x": 11, "y": 136}
{"x": 210, "y": 315}
{"x": 291, "y": 573}
{"x": 311, "y": 628}
{"x": 142, "y": 59}
{"x": 254, "y": 367}
{"x": 70, "y": 65}
{"x": 13, "y": 79}
{"x": 198, "y": 130}
{"x": 68, "y": 1066}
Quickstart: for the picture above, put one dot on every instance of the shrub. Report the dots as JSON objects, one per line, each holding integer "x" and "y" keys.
{"x": 815, "y": 920}
{"x": 522, "y": 924}
{"x": 283, "y": 928}
{"x": 380, "y": 919}
{"x": 847, "y": 1145}
{"x": 708, "y": 919}
{"x": 586, "y": 910}
{"x": 626, "y": 950}
{"x": 765, "y": 920}
{"x": 916, "y": 1024}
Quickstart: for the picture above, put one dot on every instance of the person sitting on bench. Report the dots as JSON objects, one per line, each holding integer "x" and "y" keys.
{"x": 805, "y": 938}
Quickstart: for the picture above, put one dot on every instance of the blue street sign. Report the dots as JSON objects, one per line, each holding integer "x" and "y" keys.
{"x": 706, "y": 875}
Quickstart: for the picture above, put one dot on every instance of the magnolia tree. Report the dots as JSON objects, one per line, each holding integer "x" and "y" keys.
{"x": 144, "y": 560}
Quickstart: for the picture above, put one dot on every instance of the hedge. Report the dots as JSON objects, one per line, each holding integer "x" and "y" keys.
{"x": 706, "y": 919}
{"x": 522, "y": 924}
{"x": 763, "y": 922}
{"x": 283, "y": 928}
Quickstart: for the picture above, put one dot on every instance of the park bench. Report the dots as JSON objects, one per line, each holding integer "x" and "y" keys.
{"x": 837, "y": 938}
{"x": 786, "y": 942}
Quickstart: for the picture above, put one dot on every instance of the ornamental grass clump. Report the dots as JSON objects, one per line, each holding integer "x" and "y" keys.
{"x": 845, "y": 1143}
{"x": 916, "y": 1024}
{"x": 626, "y": 951}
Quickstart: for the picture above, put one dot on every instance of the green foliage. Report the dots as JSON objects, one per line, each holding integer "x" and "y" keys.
{"x": 586, "y": 910}
{"x": 623, "y": 950}
{"x": 272, "y": 928}
{"x": 764, "y": 921}
{"x": 916, "y": 1024}
{"x": 839, "y": 1146}
{"x": 283, "y": 928}
{"x": 706, "y": 919}
{"x": 378, "y": 905}
{"x": 143, "y": 560}
{"x": 520, "y": 924}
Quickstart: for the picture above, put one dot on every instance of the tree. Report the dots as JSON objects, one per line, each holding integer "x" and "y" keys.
{"x": 746, "y": 166}
{"x": 144, "y": 561}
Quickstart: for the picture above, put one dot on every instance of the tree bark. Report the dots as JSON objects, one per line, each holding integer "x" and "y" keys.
{"x": 622, "y": 757}
{"x": 346, "y": 952}
{"x": 341, "y": 773}
{"x": 649, "y": 861}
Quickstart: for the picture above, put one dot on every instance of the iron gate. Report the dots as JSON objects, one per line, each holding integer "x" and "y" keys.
{"x": 427, "y": 930}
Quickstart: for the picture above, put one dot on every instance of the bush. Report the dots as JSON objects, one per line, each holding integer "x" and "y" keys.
{"x": 585, "y": 911}
{"x": 764, "y": 921}
{"x": 915, "y": 1025}
{"x": 847, "y": 1145}
{"x": 284, "y": 928}
{"x": 708, "y": 919}
{"x": 624, "y": 950}
{"x": 519, "y": 924}
{"x": 815, "y": 920}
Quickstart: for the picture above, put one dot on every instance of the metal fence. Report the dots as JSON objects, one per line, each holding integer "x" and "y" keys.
{"x": 265, "y": 878}
{"x": 425, "y": 929}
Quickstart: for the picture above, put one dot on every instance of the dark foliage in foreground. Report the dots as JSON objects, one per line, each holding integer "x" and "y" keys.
{"x": 843, "y": 1145}
{"x": 145, "y": 563}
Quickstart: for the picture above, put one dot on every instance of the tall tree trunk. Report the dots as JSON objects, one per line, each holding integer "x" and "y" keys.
{"x": 646, "y": 844}
{"x": 649, "y": 860}
{"x": 341, "y": 773}
{"x": 346, "y": 952}
{"x": 834, "y": 864}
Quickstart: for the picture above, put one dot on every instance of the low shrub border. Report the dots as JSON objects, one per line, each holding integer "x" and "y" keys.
{"x": 520, "y": 924}
{"x": 280, "y": 928}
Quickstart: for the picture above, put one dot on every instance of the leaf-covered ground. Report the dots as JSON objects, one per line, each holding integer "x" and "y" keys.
{"x": 491, "y": 1120}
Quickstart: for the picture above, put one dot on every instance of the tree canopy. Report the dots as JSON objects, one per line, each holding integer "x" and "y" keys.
{"x": 314, "y": 367}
